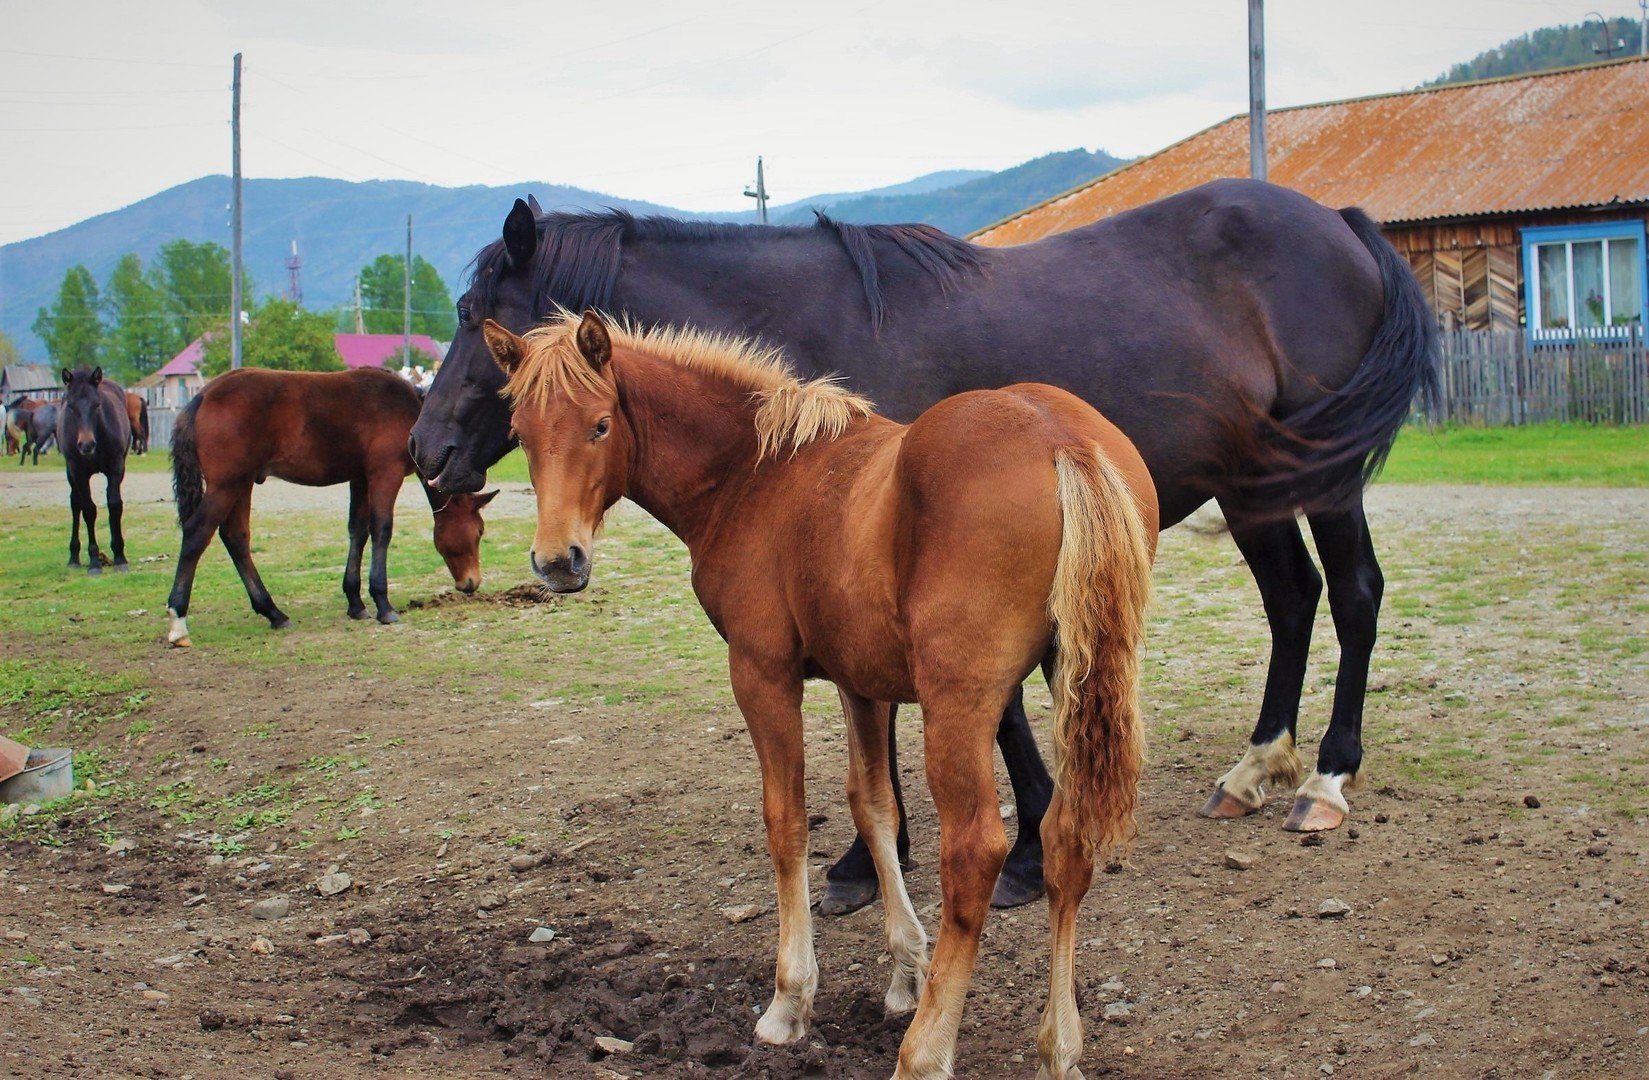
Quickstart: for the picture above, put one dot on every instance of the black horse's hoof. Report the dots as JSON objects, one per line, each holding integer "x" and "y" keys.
{"x": 93, "y": 570}
{"x": 387, "y": 617}
{"x": 123, "y": 567}
{"x": 279, "y": 622}
{"x": 358, "y": 612}
{"x": 1018, "y": 886}
{"x": 846, "y": 897}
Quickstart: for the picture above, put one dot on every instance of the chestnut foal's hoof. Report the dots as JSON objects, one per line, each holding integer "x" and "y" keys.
{"x": 1313, "y": 815}
{"x": 1222, "y": 806}
{"x": 846, "y": 897}
{"x": 1018, "y": 885}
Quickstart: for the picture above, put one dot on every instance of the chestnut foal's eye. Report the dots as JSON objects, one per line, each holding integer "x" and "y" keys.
{"x": 602, "y": 427}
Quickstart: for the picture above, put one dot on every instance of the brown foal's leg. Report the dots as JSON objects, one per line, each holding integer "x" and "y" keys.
{"x": 1068, "y": 869}
{"x": 960, "y": 729}
{"x": 876, "y": 815}
{"x": 769, "y": 694}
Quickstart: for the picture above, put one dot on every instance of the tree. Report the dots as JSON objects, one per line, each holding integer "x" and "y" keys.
{"x": 71, "y": 328}
{"x": 143, "y": 333}
{"x": 281, "y": 335}
{"x": 196, "y": 279}
{"x": 383, "y": 294}
{"x": 9, "y": 353}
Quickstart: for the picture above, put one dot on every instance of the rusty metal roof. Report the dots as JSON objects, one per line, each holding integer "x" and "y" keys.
{"x": 1578, "y": 137}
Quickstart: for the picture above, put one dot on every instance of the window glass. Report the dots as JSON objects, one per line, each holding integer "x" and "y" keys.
{"x": 1625, "y": 283}
{"x": 1588, "y": 284}
{"x": 1553, "y": 262}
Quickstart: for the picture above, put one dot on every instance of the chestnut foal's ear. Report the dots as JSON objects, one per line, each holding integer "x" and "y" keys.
{"x": 507, "y": 350}
{"x": 593, "y": 342}
{"x": 520, "y": 236}
{"x": 482, "y": 500}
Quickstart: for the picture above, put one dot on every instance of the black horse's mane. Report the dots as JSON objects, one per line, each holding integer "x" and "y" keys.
{"x": 578, "y": 255}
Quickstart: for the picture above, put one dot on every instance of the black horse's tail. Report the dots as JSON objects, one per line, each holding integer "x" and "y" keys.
{"x": 188, "y": 485}
{"x": 1324, "y": 454}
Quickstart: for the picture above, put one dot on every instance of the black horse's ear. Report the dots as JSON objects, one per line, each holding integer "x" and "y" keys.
{"x": 532, "y": 204}
{"x": 520, "y": 236}
{"x": 68, "y": 376}
{"x": 594, "y": 344}
{"x": 97, "y": 375}
{"x": 507, "y": 350}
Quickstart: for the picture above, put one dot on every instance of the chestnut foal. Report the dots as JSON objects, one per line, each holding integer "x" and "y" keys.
{"x": 939, "y": 562}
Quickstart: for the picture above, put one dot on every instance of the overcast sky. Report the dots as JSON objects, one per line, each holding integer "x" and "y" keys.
{"x": 103, "y": 104}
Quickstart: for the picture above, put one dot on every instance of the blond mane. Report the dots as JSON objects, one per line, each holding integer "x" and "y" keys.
{"x": 788, "y": 411}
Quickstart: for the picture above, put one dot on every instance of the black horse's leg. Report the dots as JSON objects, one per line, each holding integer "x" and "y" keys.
{"x": 76, "y": 487}
{"x": 1355, "y": 587}
{"x": 358, "y": 529}
{"x": 236, "y": 534}
{"x": 381, "y": 499}
{"x": 117, "y": 506}
{"x": 88, "y": 511}
{"x": 197, "y": 537}
{"x": 1289, "y": 588}
{"x": 1021, "y": 879}
{"x": 851, "y": 883}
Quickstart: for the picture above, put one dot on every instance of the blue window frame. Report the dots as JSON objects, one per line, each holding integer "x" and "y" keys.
{"x": 1584, "y": 281}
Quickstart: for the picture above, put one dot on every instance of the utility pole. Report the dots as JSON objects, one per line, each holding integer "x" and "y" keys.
{"x": 406, "y": 309}
{"x": 360, "y": 326}
{"x": 1256, "y": 89}
{"x": 759, "y": 193}
{"x": 1606, "y": 50}
{"x": 234, "y": 228}
{"x": 1643, "y": 27}
{"x": 294, "y": 286}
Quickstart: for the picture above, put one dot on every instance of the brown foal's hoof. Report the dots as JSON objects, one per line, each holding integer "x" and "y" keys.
{"x": 846, "y": 897}
{"x": 1222, "y": 805}
{"x": 1313, "y": 815}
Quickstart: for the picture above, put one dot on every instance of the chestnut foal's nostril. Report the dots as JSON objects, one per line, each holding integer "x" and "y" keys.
{"x": 577, "y": 560}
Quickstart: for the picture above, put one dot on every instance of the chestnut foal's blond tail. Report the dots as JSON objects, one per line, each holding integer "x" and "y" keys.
{"x": 1102, "y": 584}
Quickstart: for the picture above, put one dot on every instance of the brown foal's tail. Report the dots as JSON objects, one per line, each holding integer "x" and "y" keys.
{"x": 1102, "y": 584}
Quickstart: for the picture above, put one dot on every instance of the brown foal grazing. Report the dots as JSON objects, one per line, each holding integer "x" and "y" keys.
{"x": 938, "y": 562}
{"x": 317, "y": 429}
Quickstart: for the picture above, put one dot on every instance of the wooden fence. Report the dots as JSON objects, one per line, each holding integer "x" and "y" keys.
{"x": 1498, "y": 378}
{"x": 160, "y": 427}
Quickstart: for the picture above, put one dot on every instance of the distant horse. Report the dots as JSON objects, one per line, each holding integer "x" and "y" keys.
{"x": 137, "y": 411}
{"x": 17, "y": 415}
{"x": 316, "y": 429}
{"x": 41, "y": 431}
{"x": 93, "y": 433}
{"x": 939, "y": 562}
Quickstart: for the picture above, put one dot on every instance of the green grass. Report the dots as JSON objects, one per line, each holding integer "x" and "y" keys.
{"x": 1542, "y": 454}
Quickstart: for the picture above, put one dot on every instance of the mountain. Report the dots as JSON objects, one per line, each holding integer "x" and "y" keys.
{"x": 971, "y": 205}
{"x": 1547, "y": 48}
{"x": 341, "y": 226}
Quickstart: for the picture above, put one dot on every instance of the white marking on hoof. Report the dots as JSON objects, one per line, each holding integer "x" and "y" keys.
{"x": 905, "y": 990}
{"x": 178, "y": 635}
{"x": 782, "y": 1024}
{"x": 1272, "y": 762}
{"x": 1319, "y": 805}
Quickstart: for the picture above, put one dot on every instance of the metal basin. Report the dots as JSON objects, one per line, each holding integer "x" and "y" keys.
{"x": 48, "y": 775}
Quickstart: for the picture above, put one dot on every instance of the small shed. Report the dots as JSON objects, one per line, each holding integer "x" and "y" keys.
{"x": 1520, "y": 202}
{"x": 31, "y": 380}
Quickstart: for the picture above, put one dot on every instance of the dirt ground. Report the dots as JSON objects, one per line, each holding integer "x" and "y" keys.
{"x": 1492, "y": 871}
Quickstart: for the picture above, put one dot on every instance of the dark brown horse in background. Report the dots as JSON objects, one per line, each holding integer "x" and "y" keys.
{"x": 1214, "y": 327}
{"x": 316, "y": 429}
{"x": 31, "y": 425}
{"x": 93, "y": 433}
{"x": 137, "y": 412}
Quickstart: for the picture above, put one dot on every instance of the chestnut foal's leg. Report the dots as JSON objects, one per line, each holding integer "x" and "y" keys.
{"x": 960, "y": 724}
{"x": 1069, "y": 868}
{"x": 769, "y": 693}
{"x": 876, "y": 815}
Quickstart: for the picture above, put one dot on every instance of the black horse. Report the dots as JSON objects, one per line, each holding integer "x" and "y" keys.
{"x": 1257, "y": 347}
{"x": 93, "y": 435}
